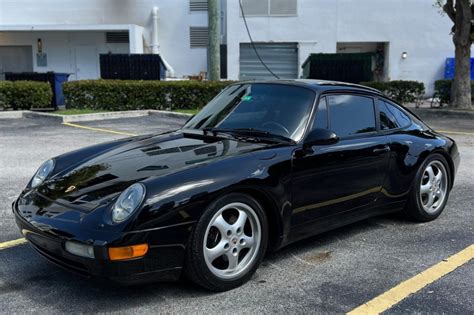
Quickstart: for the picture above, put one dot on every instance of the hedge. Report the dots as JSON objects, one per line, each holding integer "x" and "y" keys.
{"x": 25, "y": 94}
{"x": 401, "y": 91}
{"x": 443, "y": 91}
{"x": 115, "y": 95}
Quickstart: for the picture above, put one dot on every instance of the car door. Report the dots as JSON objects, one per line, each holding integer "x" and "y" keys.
{"x": 342, "y": 178}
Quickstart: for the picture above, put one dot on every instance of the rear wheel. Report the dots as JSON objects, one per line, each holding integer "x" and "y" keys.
{"x": 431, "y": 190}
{"x": 228, "y": 243}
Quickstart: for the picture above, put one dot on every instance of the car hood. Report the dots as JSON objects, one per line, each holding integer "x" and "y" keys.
{"x": 101, "y": 177}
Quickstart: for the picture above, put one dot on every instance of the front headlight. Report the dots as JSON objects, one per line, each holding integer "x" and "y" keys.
{"x": 42, "y": 173}
{"x": 128, "y": 201}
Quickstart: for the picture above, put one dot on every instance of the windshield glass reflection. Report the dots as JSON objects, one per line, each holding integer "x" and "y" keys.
{"x": 277, "y": 109}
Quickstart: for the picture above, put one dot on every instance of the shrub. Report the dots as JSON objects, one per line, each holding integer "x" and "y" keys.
{"x": 401, "y": 91}
{"x": 443, "y": 91}
{"x": 118, "y": 95}
{"x": 25, "y": 94}
{"x": 6, "y": 89}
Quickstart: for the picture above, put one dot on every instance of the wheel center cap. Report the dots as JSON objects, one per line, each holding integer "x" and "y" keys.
{"x": 234, "y": 241}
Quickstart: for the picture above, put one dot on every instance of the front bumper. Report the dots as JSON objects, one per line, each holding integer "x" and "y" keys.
{"x": 163, "y": 262}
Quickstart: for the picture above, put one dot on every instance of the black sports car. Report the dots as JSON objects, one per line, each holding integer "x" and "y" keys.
{"x": 262, "y": 165}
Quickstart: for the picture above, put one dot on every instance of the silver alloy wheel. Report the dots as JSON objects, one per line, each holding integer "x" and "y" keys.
{"x": 232, "y": 241}
{"x": 433, "y": 186}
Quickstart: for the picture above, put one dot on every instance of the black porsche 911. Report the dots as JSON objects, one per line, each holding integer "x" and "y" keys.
{"x": 264, "y": 164}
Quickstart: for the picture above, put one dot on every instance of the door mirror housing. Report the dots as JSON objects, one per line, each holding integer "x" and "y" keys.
{"x": 320, "y": 136}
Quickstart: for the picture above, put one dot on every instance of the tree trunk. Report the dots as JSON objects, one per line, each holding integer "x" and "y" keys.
{"x": 214, "y": 41}
{"x": 461, "y": 88}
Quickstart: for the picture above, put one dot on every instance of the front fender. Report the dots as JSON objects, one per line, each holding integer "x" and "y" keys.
{"x": 182, "y": 197}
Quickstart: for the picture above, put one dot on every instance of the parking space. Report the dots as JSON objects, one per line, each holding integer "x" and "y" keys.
{"x": 332, "y": 272}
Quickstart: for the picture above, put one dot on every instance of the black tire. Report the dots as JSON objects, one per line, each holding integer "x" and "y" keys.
{"x": 196, "y": 268}
{"x": 414, "y": 209}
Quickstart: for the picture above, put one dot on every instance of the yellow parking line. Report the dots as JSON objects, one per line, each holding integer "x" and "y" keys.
{"x": 398, "y": 293}
{"x": 12, "y": 243}
{"x": 457, "y": 132}
{"x": 99, "y": 129}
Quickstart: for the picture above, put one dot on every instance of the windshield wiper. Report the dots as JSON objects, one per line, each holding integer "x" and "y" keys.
{"x": 251, "y": 132}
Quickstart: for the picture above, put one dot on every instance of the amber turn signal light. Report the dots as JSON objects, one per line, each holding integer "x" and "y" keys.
{"x": 127, "y": 252}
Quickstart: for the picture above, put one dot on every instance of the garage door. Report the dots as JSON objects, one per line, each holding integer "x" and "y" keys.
{"x": 281, "y": 58}
{"x": 15, "y": 59}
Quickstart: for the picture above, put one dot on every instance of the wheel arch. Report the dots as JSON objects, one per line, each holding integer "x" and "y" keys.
{"x": 270, "y": 206}
{"x": 448, "y": 159}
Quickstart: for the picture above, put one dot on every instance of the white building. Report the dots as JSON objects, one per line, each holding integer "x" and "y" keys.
{"x": 71, "y": 34}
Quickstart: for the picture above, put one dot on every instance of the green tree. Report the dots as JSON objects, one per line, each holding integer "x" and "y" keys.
{"x": 460, "y": 13}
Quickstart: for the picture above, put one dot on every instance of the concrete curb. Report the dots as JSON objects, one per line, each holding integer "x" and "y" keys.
{"x": 440, "y": 113}
{"x": 50, "y": 117}
{"x": 168, "y": 114}
{"x": 11, "y": 114}
{"x": 91, "y": 117}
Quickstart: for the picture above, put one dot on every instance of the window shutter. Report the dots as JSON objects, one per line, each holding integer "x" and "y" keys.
{"x": 197, "y": 5}
{"x": 199, "y": 37}
{"x": 255, "y": 7}
{"x": 283, "y": 7}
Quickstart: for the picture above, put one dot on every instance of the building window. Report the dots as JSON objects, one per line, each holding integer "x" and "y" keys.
{"x": 270, "y": 7}
{"x": 198, "y": 37}
{"x": 197, "y": 5}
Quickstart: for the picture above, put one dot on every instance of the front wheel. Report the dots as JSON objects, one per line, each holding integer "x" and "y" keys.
{"x": 430, "y": 192}
{"x": 228, "y": 243}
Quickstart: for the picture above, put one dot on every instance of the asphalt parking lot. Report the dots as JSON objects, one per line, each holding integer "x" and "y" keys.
{"x": 332, "y": 272}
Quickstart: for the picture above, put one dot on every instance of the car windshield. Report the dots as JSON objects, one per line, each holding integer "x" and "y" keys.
{"x": 265, "y": 108}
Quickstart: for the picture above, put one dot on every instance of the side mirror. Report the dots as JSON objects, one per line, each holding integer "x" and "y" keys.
{"x": 320, "y": 137}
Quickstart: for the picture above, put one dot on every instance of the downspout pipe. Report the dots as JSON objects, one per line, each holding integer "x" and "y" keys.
{"x": 155, "y": 46}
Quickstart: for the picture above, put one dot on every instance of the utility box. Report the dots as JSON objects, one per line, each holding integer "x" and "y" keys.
{"x": 55, "y": 79}
{"x": 352, "y": 67}
{"x": 449, "y": 69}
{"x": 132, "y": 67}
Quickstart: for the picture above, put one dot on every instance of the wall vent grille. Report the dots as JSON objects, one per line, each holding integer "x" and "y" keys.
{"x": 199, "y": 37}
{"x": 117, "y": 37}
{"x": 197, "y": 5}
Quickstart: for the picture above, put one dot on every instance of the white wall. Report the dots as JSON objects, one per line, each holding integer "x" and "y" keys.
{"x": 60, "y": 47}
{"x": 413, "y": 26}
{"x": 174, "y": 22}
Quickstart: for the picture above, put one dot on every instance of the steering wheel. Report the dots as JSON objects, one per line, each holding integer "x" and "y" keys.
{"x": 278, "y": 126}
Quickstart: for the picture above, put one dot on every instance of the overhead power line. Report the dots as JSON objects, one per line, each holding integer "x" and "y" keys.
{"x": 253, "y": 44}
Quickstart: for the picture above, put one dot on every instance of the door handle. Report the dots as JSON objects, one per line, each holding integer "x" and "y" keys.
{"x": 383, "y": 150}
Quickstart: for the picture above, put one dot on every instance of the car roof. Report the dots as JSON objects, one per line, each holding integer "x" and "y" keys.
{"x": 321, "y": 85}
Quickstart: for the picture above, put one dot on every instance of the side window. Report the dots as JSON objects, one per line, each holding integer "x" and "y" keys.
{"x": 321, "y": 119}
{"x": 387, "y": 119}
{"x": 401, "y": 119}
{"x": 351, "y": 114}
